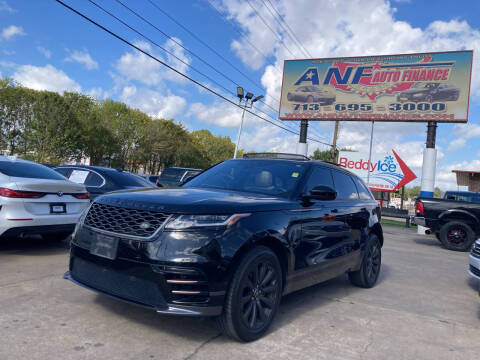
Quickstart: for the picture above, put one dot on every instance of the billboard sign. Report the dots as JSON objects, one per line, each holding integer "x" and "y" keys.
{"x": 388, "y": 172}
{"x": 410, "y": 87}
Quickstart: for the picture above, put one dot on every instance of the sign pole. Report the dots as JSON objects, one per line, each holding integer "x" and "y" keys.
{"x": 370, "y": 155}
{"x": 302, "y": 147}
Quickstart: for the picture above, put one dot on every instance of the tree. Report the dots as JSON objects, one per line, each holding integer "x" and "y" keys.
{"x": 215, "y": 148}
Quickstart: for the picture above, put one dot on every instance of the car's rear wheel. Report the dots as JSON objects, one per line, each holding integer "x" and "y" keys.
{"x": 253, "y": 296}
{"x": 429, "y": 98}
{"x": 367, "y": 275}
{"x": 310, "y": 99}
{"x": 457, "y": 236}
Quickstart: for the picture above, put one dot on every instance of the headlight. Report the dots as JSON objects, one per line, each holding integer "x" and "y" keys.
{"x": 191, "y": 221}
{"x": 419, "y": 94}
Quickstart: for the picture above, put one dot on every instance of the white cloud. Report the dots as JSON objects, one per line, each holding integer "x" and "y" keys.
{"x": 152, "y": 102}
{"x": 138, "y": 66}
{"x": 462, "y": 133}
{"x": 45, "y": 78}
{"x": 446, "y": 180}
{"x": 218, "y": 113}
{"x": 11, "y": 31}
{"x": 96, "y": 92}
{"x": 45, "y": 52}
{"x": 8, "y": 52}
{"x": 84, "y": 58}
{"x": 4, "y": 6}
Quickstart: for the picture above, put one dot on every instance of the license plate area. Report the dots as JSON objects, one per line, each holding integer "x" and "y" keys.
{"x": 58, "y": 208}
{"x": 104, "y": 246}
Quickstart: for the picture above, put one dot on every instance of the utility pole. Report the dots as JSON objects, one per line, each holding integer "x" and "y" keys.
{"x": 334, "y": 142}
{"x": 302, "y": 147}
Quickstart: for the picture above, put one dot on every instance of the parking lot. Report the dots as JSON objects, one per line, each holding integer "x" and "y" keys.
{"x": 425, "y": 306}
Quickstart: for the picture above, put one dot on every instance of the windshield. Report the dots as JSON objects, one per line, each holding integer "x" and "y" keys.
{"x": 267, "y": 177}
{"x": 28, "y": 170}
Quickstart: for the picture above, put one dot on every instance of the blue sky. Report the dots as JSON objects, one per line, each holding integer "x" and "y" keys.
{"x": 44, "y": 46}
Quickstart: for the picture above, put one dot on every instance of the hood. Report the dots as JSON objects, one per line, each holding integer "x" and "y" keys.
{"x": 48, "y": 186}
{"x": 195, "y": 201}
{"x": 414, "y": 91}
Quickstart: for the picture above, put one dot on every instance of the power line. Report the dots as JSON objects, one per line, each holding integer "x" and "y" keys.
{"x": 170, "y": 53}
{"x": 284, "y": 28}
{"x": 268, "y": 26}
{"x": 240, "y": 32}
{"x": 293, "y": 36}
{"x": 171, "y": 67}
{"x": 209, "y": 47}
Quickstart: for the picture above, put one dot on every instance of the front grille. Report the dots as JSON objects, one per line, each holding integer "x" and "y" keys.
{"x": 141, "y": 223}
{"x": 474, "y": 270}
{"x": 476, "y": 250}
{"x": 126, "y": 284}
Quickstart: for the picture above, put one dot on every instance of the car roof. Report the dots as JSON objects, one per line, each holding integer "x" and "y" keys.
{"x": 14, "y": 158}
{"x": 461, "y": 192}
{"x": 96, "y": 168}
{"x": 182, "y": 168}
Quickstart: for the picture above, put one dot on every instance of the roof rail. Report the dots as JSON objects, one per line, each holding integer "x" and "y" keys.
{"x": 271, "y": 155}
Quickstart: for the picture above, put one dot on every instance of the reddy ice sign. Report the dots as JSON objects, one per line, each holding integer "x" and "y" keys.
{"x": 412, "y": 87}
{"x": 388, "y": 172}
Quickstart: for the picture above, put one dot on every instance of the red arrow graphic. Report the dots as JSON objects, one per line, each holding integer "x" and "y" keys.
{"x": 408, "y": 175}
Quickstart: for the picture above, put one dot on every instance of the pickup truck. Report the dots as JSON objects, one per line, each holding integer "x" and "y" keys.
{"x": 455, "y": 223}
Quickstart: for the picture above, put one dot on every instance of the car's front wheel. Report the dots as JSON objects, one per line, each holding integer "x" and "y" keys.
{"x": 253, "y": 296}
{"x": 367, "y": 275}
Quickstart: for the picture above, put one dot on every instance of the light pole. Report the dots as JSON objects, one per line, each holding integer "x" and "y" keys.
{"x": 245, "y": 106}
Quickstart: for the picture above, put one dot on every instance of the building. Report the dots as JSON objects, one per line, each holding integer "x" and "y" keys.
{"x": 468, "y": 178}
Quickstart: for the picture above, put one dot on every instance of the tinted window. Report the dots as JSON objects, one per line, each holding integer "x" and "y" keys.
{"x": 363, "y": 191}
{"x": 122, "y": 178}
{"x": 319, "y": 176}
{"x": 63, "y": 171}
{"x": 172, "y": 174}
{"x": 93, "y": 179}
{"x": 28, "y": 170}
{"x": 345, "y": 186}
{"x": 268, "y": 177}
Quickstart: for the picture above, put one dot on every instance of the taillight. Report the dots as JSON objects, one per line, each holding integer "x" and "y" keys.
{"x": 419, "y": 206}
{"x": 83, "y": 196}
{"x": 20, "y": 194}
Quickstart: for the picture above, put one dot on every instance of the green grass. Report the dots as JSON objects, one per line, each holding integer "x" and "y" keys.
{"x": 397, "y": 223}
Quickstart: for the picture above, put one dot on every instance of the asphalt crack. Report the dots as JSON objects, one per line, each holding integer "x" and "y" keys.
{"x": 201, "y": 346}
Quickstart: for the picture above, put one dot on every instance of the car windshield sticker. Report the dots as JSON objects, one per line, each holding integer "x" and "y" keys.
{"x": 78, "y": 176}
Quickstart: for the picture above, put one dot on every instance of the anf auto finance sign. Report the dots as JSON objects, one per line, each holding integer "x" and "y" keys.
{"x": 387, "y": 173}
{"x": 409, "y": 87}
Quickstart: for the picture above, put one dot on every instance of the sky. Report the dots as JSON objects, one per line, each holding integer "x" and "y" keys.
{"x": 225, "y": 43}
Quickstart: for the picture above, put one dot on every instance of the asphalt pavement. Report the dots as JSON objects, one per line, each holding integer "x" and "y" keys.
{"x": 425, "y": 306}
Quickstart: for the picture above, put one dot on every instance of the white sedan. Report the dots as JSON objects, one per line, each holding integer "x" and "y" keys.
{"x": 35, "y": 199}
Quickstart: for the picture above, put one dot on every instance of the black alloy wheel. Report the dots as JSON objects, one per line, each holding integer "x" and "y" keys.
{"x": 259, "y": 289}
{"x": 367, "y": 275}
{"x": 253, "y": 297}
{"x": 457, "y": 235}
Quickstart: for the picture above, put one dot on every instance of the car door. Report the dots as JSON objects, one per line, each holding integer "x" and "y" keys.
{"x": 322, "y": 230}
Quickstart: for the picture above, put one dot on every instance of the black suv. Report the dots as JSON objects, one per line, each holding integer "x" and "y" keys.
{"x": 231, "y": 241}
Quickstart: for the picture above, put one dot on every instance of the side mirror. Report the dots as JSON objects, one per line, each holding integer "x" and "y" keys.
{"x": 323, "y": 192}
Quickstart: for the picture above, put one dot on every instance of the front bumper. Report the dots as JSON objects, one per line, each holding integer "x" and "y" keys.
{"x": 474, "y": 269}
{"x": 155, "y": 274}
{"x": 166, "y": 309}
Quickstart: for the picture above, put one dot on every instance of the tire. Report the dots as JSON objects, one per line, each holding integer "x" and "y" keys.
{"x": 249, "y": 309}
{"x": 367, "y": 275}
{"x": 56, "y": 237}
{"x": 310, "y": 99}
{"x": 429, "y": 99}
{"x": 437, "y": 235}
{"x": 457, "y": 236}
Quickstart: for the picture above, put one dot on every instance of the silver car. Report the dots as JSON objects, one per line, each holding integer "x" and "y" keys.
{"x": 474, "y": 269}
{"x": 312, "y": 94}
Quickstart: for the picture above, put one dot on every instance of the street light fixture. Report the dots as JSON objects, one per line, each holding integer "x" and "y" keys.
{"x": 240, "y": 92}
{"x": 245, "y": 106}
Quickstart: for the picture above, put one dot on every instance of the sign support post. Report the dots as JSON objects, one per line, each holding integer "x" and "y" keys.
{"x": 302, "y": 147}
{"x": 370, "y": 154}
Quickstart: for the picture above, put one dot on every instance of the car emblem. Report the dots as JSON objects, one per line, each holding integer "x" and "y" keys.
{"x": 60, "y": 194}
{"x": 145, "y": 225}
